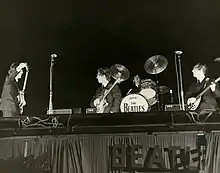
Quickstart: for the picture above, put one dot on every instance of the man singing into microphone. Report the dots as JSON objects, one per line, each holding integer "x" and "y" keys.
{"x": 10, "y": 102}
{"x": 208, "y": 101}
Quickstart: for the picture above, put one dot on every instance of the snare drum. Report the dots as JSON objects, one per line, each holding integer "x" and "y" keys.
{"x": 134, "y": 103}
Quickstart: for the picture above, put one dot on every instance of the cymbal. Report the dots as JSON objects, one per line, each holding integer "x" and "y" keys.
{"x": 163, "y": 89}
{"x": 119, "y": 71}
{"x": 155, "y": 64}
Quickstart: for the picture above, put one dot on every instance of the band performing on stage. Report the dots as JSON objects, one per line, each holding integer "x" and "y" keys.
{"x": 144, "y": 96}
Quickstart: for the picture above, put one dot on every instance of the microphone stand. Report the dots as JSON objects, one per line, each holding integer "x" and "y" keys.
{"x": 50, "y": 108}
{"x": 179, "y": 79}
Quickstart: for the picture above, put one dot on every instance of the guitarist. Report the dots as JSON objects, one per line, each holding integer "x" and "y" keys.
{"x": 113, "y": 99}
{"x": 208, "y": 101}
{"x": 10, "y": 105}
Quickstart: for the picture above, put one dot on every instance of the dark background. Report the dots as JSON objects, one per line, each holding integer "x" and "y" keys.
{"x": 91, "y": 34}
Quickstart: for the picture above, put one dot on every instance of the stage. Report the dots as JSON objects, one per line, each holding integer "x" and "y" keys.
{"x": 149, "y": 122}
{"x": 111, "y": 143}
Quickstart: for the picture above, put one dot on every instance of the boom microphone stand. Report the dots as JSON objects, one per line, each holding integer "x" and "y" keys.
{"x": 50, "y": 108}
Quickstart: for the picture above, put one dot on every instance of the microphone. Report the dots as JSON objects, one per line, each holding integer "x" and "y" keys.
{"x": 53, "y": 55}
{"x": 217, "y": 59}
{"x": 178, "y": 52}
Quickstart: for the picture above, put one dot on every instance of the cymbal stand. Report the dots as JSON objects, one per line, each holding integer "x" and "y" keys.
{"x": 171, "y": 102}
{"x": 157, "y": 93}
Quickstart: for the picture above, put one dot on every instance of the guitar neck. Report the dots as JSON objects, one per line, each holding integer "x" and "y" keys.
{"x": 108, "y": 91}
{"x": 207, "y": 88}
{"x": 203, "y": 92}
{"x": 25, "y": 81}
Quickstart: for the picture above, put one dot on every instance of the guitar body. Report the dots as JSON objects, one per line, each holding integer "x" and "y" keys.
{"x": 101, "y": 106}
{"x": 194, "y": 105}
{"x": 21, "y": 101}
{"x": 21, "y": 110}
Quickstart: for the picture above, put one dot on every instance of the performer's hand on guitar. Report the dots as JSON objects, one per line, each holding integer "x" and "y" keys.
{"x": 191, "y": 100}
{"x": 213, "y": 86}
{"x": 21, "y": 66}
{"x": 96, "y": 101}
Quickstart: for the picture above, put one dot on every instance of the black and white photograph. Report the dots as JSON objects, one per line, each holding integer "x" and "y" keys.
{"x": 110, "y": 86}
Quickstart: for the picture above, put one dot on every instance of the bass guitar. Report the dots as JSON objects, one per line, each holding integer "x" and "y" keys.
{"x": 194, "y": 105}
{"x": 21, "y": 98}
{"x": 102, "y": 100}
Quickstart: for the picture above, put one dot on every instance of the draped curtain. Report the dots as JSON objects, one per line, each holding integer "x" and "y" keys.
{"x": 88, "y": 153}
{"x": 212, "y": 163}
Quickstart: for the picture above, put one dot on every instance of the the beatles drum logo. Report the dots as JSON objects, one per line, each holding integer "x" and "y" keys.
{"x": 134, "y": 103}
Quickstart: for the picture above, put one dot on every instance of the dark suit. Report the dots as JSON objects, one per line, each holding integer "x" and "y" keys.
{"x": 9, "y": 102}
{"x": 113, "y": 98}
{"x": 208, "y": 100}
{"x": 135, "y": 89}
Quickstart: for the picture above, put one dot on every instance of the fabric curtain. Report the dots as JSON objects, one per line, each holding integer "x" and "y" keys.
{"x": 66, "y": 155}
{"x": 212, "y": 163}
{"x": 95, "y": 148}
{"x": 85, "y": 153}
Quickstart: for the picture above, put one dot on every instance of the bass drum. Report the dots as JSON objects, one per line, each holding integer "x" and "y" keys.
{"x": 134, "y": 103}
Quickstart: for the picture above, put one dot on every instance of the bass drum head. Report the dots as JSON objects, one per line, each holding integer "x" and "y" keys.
{"x": 134, "y": 103}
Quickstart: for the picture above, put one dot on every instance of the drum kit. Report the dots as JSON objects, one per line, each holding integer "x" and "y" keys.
{"x": 149, "y": 90}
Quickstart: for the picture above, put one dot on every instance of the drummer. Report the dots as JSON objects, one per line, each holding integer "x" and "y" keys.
{"x": 137, "y": 81}
{"x": 146, "y": 88}
{"x": 136, "y": 88}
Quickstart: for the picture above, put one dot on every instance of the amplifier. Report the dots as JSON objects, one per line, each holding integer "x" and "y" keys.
{"x": 174, "y": 107}
{"x": 62, "y": 111}
{"x": 90, "y": 110}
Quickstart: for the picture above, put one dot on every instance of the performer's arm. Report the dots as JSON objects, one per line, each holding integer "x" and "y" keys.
{"x": 12, "y": 75}
{"x": 116, "y": 94}
{"x": 215, "y": 89}
{"x": 14, "y": 72}
{"x": 94, "y": 97}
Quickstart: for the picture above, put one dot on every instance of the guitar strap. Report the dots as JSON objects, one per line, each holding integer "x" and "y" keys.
{"x": 17, "y": 90}
{"x": 16, "y": 85}
{"x": 206, "y": 83}
{"x": 106, "y": 88}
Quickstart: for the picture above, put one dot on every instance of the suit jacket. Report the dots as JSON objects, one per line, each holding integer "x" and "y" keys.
{"x": 209, "y": 98}
{"x": 135, "y": 89}
{"x": 10, "y": 91}
{"x": 113, "y": 98}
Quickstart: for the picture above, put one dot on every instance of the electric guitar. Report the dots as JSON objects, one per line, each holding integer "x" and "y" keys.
{"x": 102, "y": 100}
{"x": 193, "y": 106}
{"x": 21, "y": 98}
